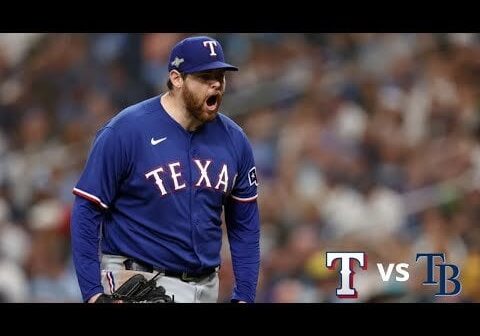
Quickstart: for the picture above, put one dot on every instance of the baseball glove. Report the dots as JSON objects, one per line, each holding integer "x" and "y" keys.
{"x": 137, "y": 290}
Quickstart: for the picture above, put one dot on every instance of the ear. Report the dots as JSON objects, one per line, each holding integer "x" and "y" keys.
{"x": 176, "y": 79}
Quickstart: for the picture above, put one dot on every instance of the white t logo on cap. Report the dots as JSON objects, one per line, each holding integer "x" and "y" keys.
{"x": 210, "y": 44}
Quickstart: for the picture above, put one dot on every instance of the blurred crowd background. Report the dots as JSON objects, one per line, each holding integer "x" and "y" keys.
{"x": 363, "y": 142}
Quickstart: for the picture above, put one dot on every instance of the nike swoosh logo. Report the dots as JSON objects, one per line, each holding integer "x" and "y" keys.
{"x": 156, "y": 142}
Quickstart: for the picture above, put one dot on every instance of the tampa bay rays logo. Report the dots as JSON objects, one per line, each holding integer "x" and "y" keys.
{"x": 252, "y": 176}
{"x": 177, "y": 61}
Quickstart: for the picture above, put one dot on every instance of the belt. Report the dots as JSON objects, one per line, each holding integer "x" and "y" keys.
{"x": 134, "y": 265}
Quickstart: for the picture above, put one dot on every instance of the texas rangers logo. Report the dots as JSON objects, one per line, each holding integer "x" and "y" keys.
{"x": 252, "y": 176}
{"x": 211, "y": 45}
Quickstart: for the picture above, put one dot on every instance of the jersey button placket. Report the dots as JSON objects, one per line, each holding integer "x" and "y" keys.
{"x": 195, "y": 220}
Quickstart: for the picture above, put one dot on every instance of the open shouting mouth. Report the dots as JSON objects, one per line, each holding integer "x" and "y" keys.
{"x": 213, "y": 101}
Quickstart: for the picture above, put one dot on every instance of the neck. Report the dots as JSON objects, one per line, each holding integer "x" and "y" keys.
{"x": 174, "y": 106}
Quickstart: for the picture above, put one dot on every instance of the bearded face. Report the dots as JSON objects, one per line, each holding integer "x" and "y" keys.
{"x": 202, "y": 94}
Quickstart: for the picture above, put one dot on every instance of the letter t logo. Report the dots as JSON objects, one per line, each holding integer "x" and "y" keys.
{"x": 346, "y": 289}
{"x": 210, "y": 44}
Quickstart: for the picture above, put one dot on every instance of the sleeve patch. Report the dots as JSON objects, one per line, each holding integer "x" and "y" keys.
{"x": 252, "y": 176}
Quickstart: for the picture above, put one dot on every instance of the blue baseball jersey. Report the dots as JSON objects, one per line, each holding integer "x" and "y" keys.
{"x": 164, "y": 187}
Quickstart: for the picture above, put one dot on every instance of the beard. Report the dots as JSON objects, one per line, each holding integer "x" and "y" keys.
{"x": 196, "y": 106}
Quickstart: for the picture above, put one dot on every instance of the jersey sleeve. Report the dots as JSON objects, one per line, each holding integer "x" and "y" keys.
{"x": 243, "y": 228}
{"x": 105, "y": 166}
{"x": 85, "y": 236}
{"x": 246, "y": 182}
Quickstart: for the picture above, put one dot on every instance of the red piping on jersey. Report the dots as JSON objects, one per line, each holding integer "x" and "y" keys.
{"x": 89, "y": 197}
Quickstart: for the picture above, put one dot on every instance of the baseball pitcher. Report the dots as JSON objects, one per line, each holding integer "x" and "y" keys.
{"x": 150, "y": 198}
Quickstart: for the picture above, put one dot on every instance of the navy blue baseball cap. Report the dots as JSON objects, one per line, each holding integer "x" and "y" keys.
{"x": 199, "y": 53}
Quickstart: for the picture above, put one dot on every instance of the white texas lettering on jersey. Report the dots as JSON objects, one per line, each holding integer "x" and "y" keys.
{"x": 223, "y": 179}
{"x": 210, "y": 44}
{"x": 203, "y": 172}
{"x": 178, "y": 182}
{"x": 176, "y": 175}
{"x": 156, "y": 174}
